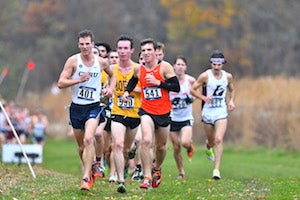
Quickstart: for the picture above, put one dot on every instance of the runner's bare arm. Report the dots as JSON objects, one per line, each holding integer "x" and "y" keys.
{"x": 68, "y": 70}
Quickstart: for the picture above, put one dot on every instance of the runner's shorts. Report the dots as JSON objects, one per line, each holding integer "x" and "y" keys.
{"x": 159, "y": 120}
{"x": 177, "y": 126}
{"x": 79, "y": 114}
{"x": 130, "y": 122}
{"x": 211, "y": 119}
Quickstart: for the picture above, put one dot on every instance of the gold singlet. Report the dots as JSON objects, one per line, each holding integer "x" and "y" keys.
{"x": 120, "y": 107}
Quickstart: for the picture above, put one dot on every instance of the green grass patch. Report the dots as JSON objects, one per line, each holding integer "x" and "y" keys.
{"x": 246, "y": 174}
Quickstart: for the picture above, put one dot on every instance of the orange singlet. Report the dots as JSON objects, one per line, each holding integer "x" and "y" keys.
{"x": 155, "y": 100}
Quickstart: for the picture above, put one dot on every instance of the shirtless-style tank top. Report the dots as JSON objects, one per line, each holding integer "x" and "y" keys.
{"x": 89, "y": 91}
{"x": 156, "y": 100}
{"x": 120, "y": 107}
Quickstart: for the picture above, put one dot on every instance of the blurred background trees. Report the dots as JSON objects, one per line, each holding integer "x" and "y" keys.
{"x": 259, "y": 38}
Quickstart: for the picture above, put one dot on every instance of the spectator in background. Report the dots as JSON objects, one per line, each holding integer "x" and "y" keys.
{"x": 2, "y": 121}
{"x": 14, "y": 114}
{"x": 25, "y": 120}
{"x": 215, "y": 83}
{"x": 20, "y": 119}
{"x": 39, "y": 128}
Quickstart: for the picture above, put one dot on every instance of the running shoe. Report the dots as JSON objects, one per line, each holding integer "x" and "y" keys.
{"x": 181, "y": 176}
{"x": 146, "y": 183}
{"x": 216, "y": 174}
{"x": 92, "y": 176}
{"x": 137, "y": 174}
{"x": 98, "y": 170}
{"x": 156, "y": 178}
{"x": 86, "y": 184}
{"x": 190, "y": 151}
{"x": 112, "y": 178}
{"x": 210, "y": 154}
{"x": 121, "y": 187}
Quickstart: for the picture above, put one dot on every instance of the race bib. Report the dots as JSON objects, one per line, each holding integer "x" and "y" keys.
{"x": 126, "y": 104}
{"x": 152, "y": 93}
{"x": 178, "y": 103}
{"x": 86, "y": 93}
{"x": 216, "y": 102}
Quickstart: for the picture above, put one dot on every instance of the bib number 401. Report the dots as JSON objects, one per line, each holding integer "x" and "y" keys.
{"x": 86, "y": 93}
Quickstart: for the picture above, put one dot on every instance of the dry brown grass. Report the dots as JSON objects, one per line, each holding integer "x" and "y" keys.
{"x": 267, "y": 113}
{"x": 54, "y": 107}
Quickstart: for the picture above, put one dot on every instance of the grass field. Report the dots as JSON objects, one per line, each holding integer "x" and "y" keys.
{"x": 246, "y": 174}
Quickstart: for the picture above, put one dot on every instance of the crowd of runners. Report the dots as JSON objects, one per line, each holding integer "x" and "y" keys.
{"x": 124, "y": 111}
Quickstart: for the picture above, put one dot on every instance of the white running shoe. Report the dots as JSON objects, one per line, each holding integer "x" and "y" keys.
{"x": 112, "y": 178}
{"x": 216, "y": 174}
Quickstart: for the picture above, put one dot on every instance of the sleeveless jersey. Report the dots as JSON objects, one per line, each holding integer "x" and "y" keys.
{"x": 155, "y": 100}
{"x": 89, "y": 91}
{"x": 104, "y": 80}
{"x": 104, "y": 83}
{"x": 120, "y": 107}
{"x": 181, "y": 103}
{"x": 217, "y": 89}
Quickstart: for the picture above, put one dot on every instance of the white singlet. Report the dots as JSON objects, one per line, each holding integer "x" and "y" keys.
{"x": 217, "y": 109}
{"x": 87, "y": 92}
{"x": 181, "y": 103}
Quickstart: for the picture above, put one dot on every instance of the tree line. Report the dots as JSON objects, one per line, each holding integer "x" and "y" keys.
{"x": 258, "y": 38}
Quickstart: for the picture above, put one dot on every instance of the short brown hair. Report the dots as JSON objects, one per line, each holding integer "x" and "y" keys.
{"x": 86, "y": 33}
{"x": 160, "y": 46}
{"x": 149, "y": 40}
